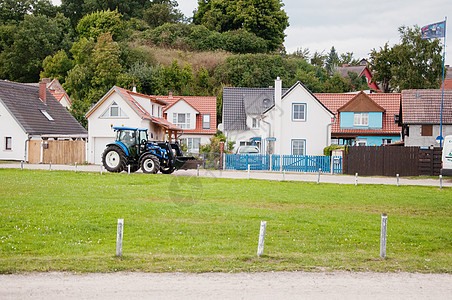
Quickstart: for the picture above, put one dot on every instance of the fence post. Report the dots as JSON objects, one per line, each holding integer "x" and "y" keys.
{"x": 260, "y": 247}
{"x": 331, "y": 164}
{"x": 383, "y": 235}
{"x": 119, "y": 236}
{"x": 397, "y": 180}
{"x": 356, "y": 179}
{"x": 440, "y": 181}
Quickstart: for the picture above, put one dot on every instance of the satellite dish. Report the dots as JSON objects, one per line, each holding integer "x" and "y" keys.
{"x": 220, "y": 127}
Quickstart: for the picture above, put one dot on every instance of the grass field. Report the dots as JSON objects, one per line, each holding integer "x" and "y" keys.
{"x": 66, "y": 221}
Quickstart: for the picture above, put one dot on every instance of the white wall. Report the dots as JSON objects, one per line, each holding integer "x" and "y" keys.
{"x": 10, "y": 128}
{"x": 315, "y": 130}
{"x": 415, "y": 138}
{"x": 182, "y": 107}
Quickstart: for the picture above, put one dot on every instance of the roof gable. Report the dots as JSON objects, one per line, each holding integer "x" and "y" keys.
{"x": 180, "y": 101}
{"x": 361, "y": 103}
{"x": 24, "y": 104}
{"x": 424, "y": 106}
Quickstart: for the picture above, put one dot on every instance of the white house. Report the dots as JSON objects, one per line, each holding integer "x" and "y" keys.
{"x": 30, "y": 118}
{"x": 57, "y": 90}
{"x": 121, "y": 107}
{"x": 197, "y": 116}
{"x": 280, "y": 121}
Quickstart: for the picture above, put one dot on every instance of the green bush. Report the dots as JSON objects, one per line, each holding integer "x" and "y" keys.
{"x": 328, "y": 150}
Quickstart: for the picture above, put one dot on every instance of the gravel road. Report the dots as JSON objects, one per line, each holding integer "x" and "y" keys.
{"x": 272, "y": 285}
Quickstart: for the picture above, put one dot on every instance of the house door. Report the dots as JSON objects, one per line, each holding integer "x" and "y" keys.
{"x": 34, "y": 151}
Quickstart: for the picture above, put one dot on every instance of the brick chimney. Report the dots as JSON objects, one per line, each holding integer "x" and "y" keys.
{"x": 170, "y": 96}
{"x": 43, "y": 91}
{"x": 46, "y": 80}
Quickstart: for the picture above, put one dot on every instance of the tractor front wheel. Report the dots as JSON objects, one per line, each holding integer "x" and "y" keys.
{"x": 114, "y": 159}
{"x": 150, "y": 164}
{"x": 167, "y": 170}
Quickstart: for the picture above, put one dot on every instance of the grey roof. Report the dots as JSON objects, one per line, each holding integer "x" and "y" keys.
{"x": 355, "y": 69}
{"x": 238, "y": 102}
{"x": 24, "y": 104}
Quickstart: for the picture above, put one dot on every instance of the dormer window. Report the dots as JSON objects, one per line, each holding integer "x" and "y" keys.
{"x": 361, "y": 119}
{"x": 47, "y": 115}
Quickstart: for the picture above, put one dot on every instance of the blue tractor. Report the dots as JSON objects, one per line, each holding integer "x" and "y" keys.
{"x": 131, "y": 147}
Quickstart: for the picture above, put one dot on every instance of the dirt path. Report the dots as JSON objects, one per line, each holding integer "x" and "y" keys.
{"x": 279, "y": 285}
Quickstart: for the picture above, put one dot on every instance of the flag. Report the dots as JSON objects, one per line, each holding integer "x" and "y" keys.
{"x": 435, "y": 30}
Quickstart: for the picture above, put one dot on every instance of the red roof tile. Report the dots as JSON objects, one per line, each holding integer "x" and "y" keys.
{"x": 424, "y": 106}
{"x": 390, "y": 102}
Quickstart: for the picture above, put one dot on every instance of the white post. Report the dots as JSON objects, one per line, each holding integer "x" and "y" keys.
{"x": 119, "y": 236}
{"x": 356, "y": 179}
{"x": 383, "y": 234}
{"x": 197, "y": 171}
{"x": 50, "y": 167}
{"x": 270, "y": 162}
{"x": 332, "y": 164}
{"x": 284, "y": 175}
{"x": 100, "y": 169}
{"x": 248, "y": 172}
{"x": 224, "y": 161}
{"x": 21, "y": 165}
{"x": 128, "y": 169}
{"x": 75, "y": 167}
{"x": 280, "y": 162}
{"x": 318, "y": 178}
{"x": 260, "y": 247}
{"x": 440, "y": 181}
{"x": 397, "y": 180}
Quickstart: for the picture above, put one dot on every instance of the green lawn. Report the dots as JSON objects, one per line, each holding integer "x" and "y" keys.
{"x": 66, "y": 221}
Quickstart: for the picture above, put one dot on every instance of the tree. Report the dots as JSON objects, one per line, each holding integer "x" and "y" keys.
{"x": 33, "y": 40}
{"x": 266, "y": 19}
{"x": 161, "y": 13}
{"x": 92, "y": 25}
{"x": 415, "y": 63}
{"x": 15, "y": 11}
{"x": 332, "y": 61}
{"x": 57, "y": 66}
{"x": 318, "y": 59}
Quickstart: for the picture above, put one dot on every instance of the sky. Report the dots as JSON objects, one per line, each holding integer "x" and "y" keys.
{"x": 356, "y": 26}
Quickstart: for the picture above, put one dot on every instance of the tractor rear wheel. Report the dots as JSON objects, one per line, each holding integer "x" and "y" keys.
{"x": 114, "y": 159}
{"x": 150, "y": 164}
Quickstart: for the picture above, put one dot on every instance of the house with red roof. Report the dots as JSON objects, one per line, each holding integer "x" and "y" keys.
{"x": 197, "y": 116}
{"x": 121, "y": 107}
{"x": 364, "y": 119}
{"x": 57, "y": 90}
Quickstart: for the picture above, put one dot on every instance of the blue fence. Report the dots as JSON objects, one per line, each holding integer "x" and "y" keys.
{"x": 291, "y": 163}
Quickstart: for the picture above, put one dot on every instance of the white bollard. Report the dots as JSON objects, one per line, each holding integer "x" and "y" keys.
{"x": 284, "y": 175}
{"x": 383, "y": 235}
{"x": 50, "y": 167}
{"x": 260, "y": 247}
{"x": 119, "y": 236}
{"x": 356, "y": 179}
{"x": 21, "y": 165}
{"x": 440, "y": 181}
{"x": 128, "y": 169}
{"x": 197, "y": 171}
{"x": 100, "y": 169}
{"x": 75, "y": 167}
{"x": 318, "y": 178}
{"x": 397, "y": 180}
{"x": 248, "y": 172}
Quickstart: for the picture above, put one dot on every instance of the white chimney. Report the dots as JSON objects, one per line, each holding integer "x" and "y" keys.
{"x": 278, "y": 116}
{"x": 134, "y": 89}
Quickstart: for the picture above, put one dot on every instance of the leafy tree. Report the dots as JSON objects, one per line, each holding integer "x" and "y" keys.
{"x": 94, "y": 24}
{"x": 337, "y": 84}
{"x": 57, "y": 66}
{"x": 347, "y": 58}
{"x": 415, "y": 63}
{"x": 33, "y": 40}
{"x": 148, "y": 76}
{"x": 15, "y": 11}
{"x": 266, "y": 19}
{"x": 161, "y": 13}
{"x": 318, "y": 59}
{"x": 105, "y": 62}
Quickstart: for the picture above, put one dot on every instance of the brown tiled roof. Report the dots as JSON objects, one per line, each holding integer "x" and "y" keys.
{"x": 355, "y": 69}
{"x": 390, "y": 102}
{"x": 204, "y": 105}
{"x": 424, "y": 106}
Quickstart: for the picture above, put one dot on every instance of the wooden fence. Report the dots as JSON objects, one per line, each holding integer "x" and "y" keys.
{"x": 389, "y": 161}
{"x": 57, "y": 152}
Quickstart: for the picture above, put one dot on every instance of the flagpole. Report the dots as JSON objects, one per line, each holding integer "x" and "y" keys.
{"x": 442, "y": 89}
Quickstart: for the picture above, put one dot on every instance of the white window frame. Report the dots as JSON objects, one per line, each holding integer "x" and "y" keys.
{"x": 296, "y": 143}
{"x": 8, "y": 143}
{"x": 190, "y": 143}
{"x": 108, "y": 113}
{"x": 184, "y": 125}
{"x": 255, "y": 123}
{"x": 47, "y": 115}
{"x": 361, "y": 119}
{"x": 296, "y": 112}
{"x": 205, "y": 122}
{"x": 361, "y": 142}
